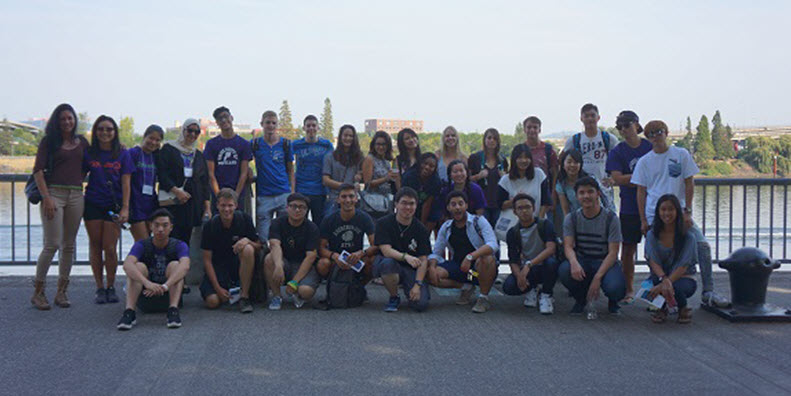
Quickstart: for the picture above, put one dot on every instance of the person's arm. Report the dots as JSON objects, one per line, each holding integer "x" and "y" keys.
{"x": 689, "y": 195}
{"x": 291, "y": 177}
{"x": 243, "y": 169}
{"x": 641, "y": 198}
{"x": 564, "y": 201}
{"x": 621, "y": 179}
{"x": 324, "y": 251}
{"x": 125, "y": 192}
{"x": 179, "y": 272}
{"x": 304, "y": 267}
{"x": 276, "y": 251}
{"x": 215, "y": 187}
{"x": 546, "y": 202}
{"x": 133, "y": 273}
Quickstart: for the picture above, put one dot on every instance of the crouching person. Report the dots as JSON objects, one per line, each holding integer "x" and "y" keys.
{"x": 155, "y": 270}
{"x": 229, "y": 243}
{"x": 531, "y": 252}
{"x": 293, "y": 243}
{"x": 472, "y": 244}
{"x": 404, "y": 245}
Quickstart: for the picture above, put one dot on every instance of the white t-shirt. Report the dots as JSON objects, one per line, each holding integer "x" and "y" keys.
{"x": 664, "y": 174}
{"x": 522, "y": 185}
{"x": 594, "y": 154}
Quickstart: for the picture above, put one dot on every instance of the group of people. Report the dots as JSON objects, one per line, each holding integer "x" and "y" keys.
{"x": 312, "y": 215}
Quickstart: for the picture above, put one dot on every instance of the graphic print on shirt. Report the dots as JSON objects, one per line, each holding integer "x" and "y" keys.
{"x": 597, "y": 147}
{"x": 347, "y": 233}
{"x": 633, "y": 163}
{"x": 673, "y": 168}
{"x": 227, "y": 156}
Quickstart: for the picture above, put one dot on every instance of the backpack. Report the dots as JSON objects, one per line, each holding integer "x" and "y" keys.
{"x": 605, "y": 137}
{"x": 345, "y": 288}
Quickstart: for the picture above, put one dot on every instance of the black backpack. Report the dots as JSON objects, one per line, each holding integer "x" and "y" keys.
{"x": 345, "y": 289}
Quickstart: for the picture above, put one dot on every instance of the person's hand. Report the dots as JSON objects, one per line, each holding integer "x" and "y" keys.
{"x": 413, "y": 261}
{"x": 577, "y": 273}
{"x": 465, "y": 265}
{"x": 123, "y": 216}
{"x": 239, "y": 245}
{"x": 152, "y": 289}
{"x": 222, "y": 293}
{"x": 414, "y": 293}
{"x": 182, "y": 195}
{"x": 49, "y": 207}
{"x": 207, "y": 215}
{"x": 644, "y": 226}
{"x": 688, "y": 220}
{"x": 655, "y": 291}
{"x": 354, "y": 257}
{"x": 607, "y": 182}
{"x": 483, "y": 173}
{"x": 667, "y": 289}
{"x": 593, "y": 290}
{"x": 521, "y": 281}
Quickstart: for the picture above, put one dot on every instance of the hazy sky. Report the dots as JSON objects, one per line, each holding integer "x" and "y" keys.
{"x": 473, "y": 65}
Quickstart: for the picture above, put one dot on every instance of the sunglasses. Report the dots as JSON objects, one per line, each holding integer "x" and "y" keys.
{"x": 655, "y": 133}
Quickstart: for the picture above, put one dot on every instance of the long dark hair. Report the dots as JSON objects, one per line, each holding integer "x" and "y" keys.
{"x": 679, "y": 232}
{"x": 53, "y": 133}
{"x": 354, "y": 155}
{"x": 115, "y": 144}
{"x": 388, "y": 141}
{"x": 577, "y": 157}
{"x": 403, "y": 157}
{"x": 519, "y": 150}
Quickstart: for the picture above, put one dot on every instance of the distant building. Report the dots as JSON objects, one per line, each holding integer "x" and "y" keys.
{"x": 209, "y": 127}
{"x": 392, "y": 126}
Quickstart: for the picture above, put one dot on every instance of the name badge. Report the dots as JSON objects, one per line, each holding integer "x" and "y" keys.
{"x": 187, "y": 172}
{"x": 148, "y": 190}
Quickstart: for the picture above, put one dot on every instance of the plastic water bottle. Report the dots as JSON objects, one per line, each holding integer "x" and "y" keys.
{"x": 590, "y": 311}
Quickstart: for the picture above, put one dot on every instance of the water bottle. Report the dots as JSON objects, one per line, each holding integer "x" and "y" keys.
{"x": 590, "y": 311}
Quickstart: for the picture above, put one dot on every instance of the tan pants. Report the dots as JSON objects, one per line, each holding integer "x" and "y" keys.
{"x": 60, "y": 232}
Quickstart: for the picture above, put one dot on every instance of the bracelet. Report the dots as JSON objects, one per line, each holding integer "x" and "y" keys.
{"x": 293, "y": 284}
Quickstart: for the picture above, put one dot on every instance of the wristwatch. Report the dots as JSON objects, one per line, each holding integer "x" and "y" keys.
{"x": 419, "y": 282}
{"x": 468, "y": 257}
{"x": 529, "y": 264}
{"x": 662, "y": 278}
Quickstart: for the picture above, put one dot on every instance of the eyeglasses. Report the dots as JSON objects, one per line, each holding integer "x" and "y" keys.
{"x": 193, "y": 131}
{"x": 104, "y": 129}
{"x": 298, "y": 207}
{"x": 654, "y": 133}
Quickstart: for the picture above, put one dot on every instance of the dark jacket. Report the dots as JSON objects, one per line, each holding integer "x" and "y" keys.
{"x": 170, "y": 171}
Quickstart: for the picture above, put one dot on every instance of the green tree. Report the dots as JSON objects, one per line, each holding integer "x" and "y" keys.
{"x": 720, "y": 138}
{"x": 689, "y": 125}
{"x": 83, "y": 122}
{"x": 688, "y": 141}
{"x": 325, "y": 121}
{"x": 704, "y": 150}
{"x": 519, "y": 130}
{"x": 286, "y": 127}
{"x": 126, "y": 131}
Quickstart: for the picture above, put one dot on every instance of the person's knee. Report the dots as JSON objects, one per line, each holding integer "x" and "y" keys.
{"x": 247, "y": 253}
{"x": 510, "y": 286}
{"x": 564, "y": 270}
{"x": 212, "y": 301}
{"x": 323, "y": 267}
{"x": 388, "y": 266}
{"x": 306, "y": 292}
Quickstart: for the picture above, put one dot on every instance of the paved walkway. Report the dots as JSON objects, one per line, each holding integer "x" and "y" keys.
{"x": 445, "y": 351}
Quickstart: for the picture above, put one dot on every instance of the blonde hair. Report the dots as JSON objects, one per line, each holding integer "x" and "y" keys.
{"x": 443, "y": 151}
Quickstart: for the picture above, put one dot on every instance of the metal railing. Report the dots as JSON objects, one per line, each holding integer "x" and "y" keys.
{"x": 736, "y": 234}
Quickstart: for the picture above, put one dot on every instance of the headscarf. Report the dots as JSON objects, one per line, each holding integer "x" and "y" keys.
{"x": 179, "y": 143}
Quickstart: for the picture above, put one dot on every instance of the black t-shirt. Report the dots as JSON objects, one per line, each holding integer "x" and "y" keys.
{"x": 220, "y": 240}
{"x": 412, "y": 239}
{"x": 346, "y": 235}
{"x": 295, "y": 241}
{"x": 460, "y": 242}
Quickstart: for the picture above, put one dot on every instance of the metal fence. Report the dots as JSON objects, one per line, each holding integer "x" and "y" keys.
{"x": 732, "y": 227}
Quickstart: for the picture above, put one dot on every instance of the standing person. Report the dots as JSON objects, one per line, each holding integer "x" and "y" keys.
{"x": 471, "y": 246}
{"x": 531, "y": 252}
{"x": 377, "y": 198}
{"x": 274, "y": 164}
{"x": 58, "y": 172}
{"x": 309, "y": 153}
{"x": 671, "y": 252}
{"x": 595, "y": 146}
{"x": 449, "y": 152}
{"x": 228, "y": 157}
{"x": 459, "y": 176}
{"x": 404, "y": 246}
{"x": 155, "y": 269}
{"x": 544, "y": 155}
{"x": 424, "y": 179}
{"x": 522, "y": 178}
{"x": 106, "y": 203}
{"x": 486, "y": 168}
{"x": 184, "y": 181}
{"x": 342, "y": 166}
{"x": 571, "y": 171}
{"x": 621, "y": 163}
{"x": 591, "y": 240}
{"x": 143, "y": 200}
{"x": 408, "y": 150}
{"x": 669, "y": 169}
{"x": 293, "y": 243}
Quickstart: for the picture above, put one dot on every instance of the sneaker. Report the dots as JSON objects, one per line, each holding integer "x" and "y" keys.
{"x": 111, "y": 296}
{"x": 245, "y": 306}
{"x": 482, "y": 305}
{"x": 276, "y": 303}
{"x": 465, "y": 297}
{"x": 712, "y": 299}
{"x": 531, "y": 298}
{"x": 392, "y": 304}
{"x": 174, "y": 320}
{"x": 128, "y": 320}
{"x": 613, "y": 307}
{"x": 546, "y": 304}
{"x": 298, "y": 302}
{"x": 100, "y": 297}
{"x": 578, "y": 308}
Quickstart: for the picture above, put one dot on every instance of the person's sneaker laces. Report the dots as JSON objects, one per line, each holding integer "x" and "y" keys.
{"x": 392, "y": 304}
{"x": 712, "y": 299}
{"x": 128, "y": 319}
{"x": 531, "y": 298}
{"x": 298, "y": 302}
{"x": 578, "y": 308}
{"x": 276, "y": 303}
{"x": 546, "y": 304}
{"x": 482, "y": 305}
{"x": 174, "y": 320}
{"x": 100, "y": 297}
{"x": 245, "y": 306}
{"x": 111, "y": 296}
{"x": 465, "y": 297}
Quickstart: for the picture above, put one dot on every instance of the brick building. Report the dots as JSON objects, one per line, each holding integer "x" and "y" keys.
{"x": 392, "y": 126}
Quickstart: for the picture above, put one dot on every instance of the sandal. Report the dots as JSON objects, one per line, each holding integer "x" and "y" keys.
{"x": 659, "y": 316}
{"x": 628, "y": 300}
{"x": 685, "y": 315}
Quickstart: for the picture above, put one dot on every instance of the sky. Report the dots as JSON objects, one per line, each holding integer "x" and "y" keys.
{"x": 470, "y": 64}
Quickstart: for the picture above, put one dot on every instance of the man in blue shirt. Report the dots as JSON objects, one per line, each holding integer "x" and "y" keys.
{"x": 309, "y": 152}
{"x": 275, "y": 168}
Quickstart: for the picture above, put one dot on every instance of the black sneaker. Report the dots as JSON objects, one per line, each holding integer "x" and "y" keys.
{"x": 578, "y": 308}
{"x": 111, "y": 296}
{"x": 245, "y": 306}
{"x": 128, "y": 320}
{"x": 613, "y": 307}
{"x": 100, "y": 297}
{"x": 174, "y": 320}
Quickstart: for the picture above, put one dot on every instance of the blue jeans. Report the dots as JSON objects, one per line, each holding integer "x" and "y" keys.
{"x": 704, "y": 258}
{"x": 316, "y": 208}
{"x": 545, "y": 273}
{"x": 683, "y": 289}
{"x": 265, "y": 207}
{"x": 406, "y": 278}
{"x": 613, "y": 283}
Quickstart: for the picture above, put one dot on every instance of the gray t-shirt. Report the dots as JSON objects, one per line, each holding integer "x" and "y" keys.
{"x": 592, "y": 235}
{"x": 338, "y": 172}
{"x": 654, "y": 251}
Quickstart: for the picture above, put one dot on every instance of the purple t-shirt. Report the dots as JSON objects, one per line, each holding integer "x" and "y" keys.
{"x": 227, "y": 155}
{"x": 474, "y": 194}
{"x": 98, "y": 192}
{"x": 157, "y": 263}
{"x": 623, "y": 158}
{"x": 142, "y": 200}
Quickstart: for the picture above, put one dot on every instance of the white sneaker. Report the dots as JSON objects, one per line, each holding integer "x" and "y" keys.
{"x": 546, "y": 304}
{"x": 531, "y": 298}
{"x": 298, "y": 302}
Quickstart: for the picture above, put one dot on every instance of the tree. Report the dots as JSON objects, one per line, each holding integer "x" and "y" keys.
{"x": 519, "y": 130}
{"x": 704, "y": 150}
{"x": 688, "y": 142}
{"x": 689, "y": 125}
{"x": 286, "y": 126}
{"x": 720, "y": 138}
{"x": 126, "y": 131}
{"x": 83, "y": 122}
{"x": 325, "y": 122}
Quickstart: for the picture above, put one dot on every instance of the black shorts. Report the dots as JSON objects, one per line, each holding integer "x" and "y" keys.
{"x": 156, "y": 304}
{"x": 630, "y": 229}
{"x": 227, "y": 277}
{"x": 95, "y": 212}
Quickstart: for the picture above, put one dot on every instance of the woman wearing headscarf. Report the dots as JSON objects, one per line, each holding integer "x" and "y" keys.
{"x": 184, "y": 181}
